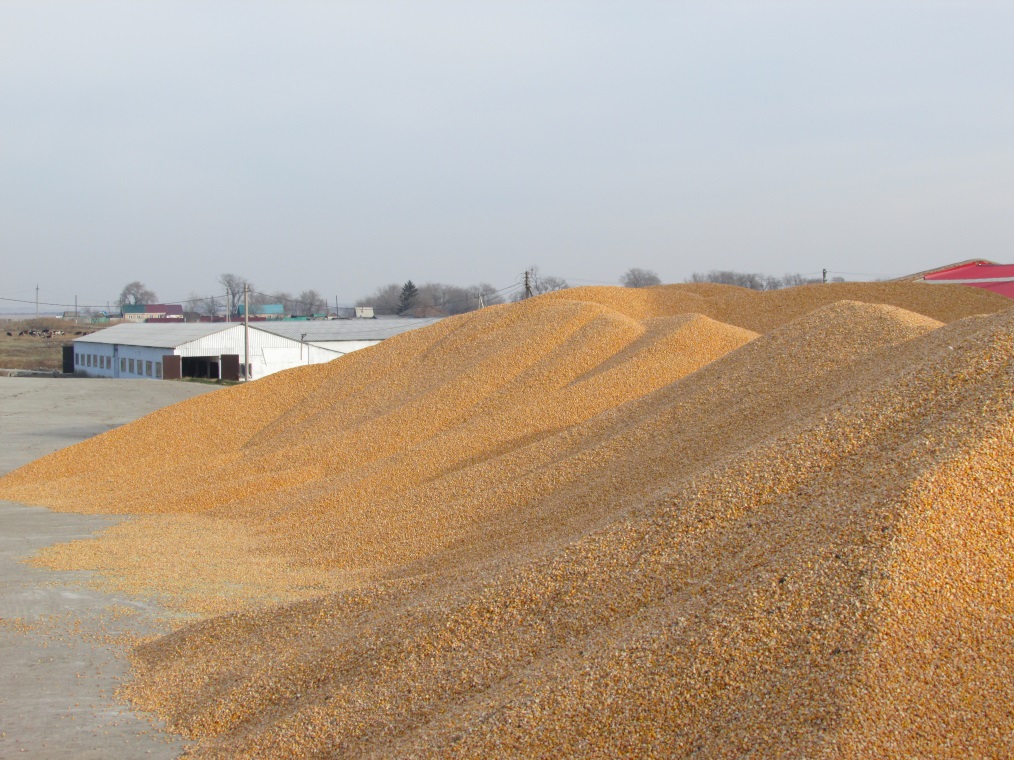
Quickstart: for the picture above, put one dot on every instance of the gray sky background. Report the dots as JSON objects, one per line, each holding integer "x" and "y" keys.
{"x": 345, "y": 145}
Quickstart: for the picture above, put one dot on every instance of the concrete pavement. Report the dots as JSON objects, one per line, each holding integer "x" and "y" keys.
{"x": 62, "y": 644}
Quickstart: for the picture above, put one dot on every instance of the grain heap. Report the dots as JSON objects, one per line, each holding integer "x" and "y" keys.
{"x": 603, "y": 522}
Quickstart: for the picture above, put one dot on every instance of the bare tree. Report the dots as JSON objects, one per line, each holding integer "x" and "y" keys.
{"x": 740, "y": 279}
{"x": 280, "y": 296}
{"x": 258, "y": 298}
{"x": 384, "y": 300}
{"x": 486, "y": 295}
{"x": 213, "y": 306}
{"x": 308, "y": 303}
{"x": 136, "y": 293}
{"x": 449, "y": 299}
{"x": 540, "y": 284}
{"x": 752, "y": 281}
{"x": 434, "y": 297}
{"x": 639, "y": 278}
{"x": 205, "y": 306}
{"x": 234, "y": 285}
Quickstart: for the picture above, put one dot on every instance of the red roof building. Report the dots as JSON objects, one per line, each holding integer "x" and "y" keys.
{"x": 978, "y": 273}
{"x": 144, "y": 311}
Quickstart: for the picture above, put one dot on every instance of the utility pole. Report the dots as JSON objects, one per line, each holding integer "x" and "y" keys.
{"x": 36, "y": 301}
{"x": 528, "y": 283}
{"x": 246, "y": 331}
{"x": 825, "y": 275}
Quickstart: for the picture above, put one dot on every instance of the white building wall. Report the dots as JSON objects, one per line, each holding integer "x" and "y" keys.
{"x": 268, "y": 354}
{"x": 113, "y": 360}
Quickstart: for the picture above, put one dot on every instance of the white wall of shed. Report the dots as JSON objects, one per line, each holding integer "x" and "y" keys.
{"x": 268, "y": 353}
{"x": 140, "y": 355}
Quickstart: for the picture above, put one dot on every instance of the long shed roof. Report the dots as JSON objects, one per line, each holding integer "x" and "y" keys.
{"x": 345, "y": 329}
{"x": 164, "y": 335}
{"x": 155, "y": 335}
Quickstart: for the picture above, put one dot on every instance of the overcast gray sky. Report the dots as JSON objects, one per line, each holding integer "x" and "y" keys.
{"x": 345, "y": 145}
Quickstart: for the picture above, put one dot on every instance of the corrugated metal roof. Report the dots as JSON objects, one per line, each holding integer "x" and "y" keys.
{"x": 927, "y": 272}
{"x": 978, "y": 271}
{"x": 345, "y": 329}
{"x": 999, "y": 278}
{"x": 155, "y": 335}
{"x": 164, "y": 335}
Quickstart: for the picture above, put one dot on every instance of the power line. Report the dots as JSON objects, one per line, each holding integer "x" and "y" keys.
{"x": 866, "y": 274}
{"x": 47, "y": 303}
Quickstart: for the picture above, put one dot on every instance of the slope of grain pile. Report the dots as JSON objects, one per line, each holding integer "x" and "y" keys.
{"x": 602, "y": 522}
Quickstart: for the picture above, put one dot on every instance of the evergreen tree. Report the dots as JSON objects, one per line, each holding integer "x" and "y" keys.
{"x": 409, "y": 294}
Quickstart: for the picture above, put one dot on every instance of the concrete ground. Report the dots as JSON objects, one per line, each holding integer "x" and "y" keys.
{"x": 62, "y": 644}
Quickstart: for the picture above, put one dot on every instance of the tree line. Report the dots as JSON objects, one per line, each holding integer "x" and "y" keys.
{"x": 757, "y": 281}
{"x": 430, "y": 299}
{"x": 305, "y": 304}
{"x": 433, "y": 299}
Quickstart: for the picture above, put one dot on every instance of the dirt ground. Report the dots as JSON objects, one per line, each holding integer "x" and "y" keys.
{"x": 19, "y": 349}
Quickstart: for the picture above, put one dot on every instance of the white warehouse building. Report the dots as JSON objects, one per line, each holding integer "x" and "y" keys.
{"x": 215, "y": 350}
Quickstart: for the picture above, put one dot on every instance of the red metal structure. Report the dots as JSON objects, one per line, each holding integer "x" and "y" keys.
{"x": 978, "y": 273}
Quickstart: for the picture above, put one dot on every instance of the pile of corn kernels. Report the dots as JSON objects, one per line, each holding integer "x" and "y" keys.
{"x": 684, "y": 520}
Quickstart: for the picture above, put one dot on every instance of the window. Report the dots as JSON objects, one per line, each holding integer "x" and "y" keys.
{"x": 123, "y": 365}
{"x": 77, "y": 359}
{"x": 147, "y": 368}
{"x": 158, "y": 370}
{"x": 89, "y": 360}
{"x": 132, "y": 366}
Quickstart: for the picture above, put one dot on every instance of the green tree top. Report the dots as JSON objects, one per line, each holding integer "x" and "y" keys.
{"x": 407, "y": 299}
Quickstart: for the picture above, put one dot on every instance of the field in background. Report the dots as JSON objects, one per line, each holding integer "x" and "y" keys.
{"x": 21, "y": 350}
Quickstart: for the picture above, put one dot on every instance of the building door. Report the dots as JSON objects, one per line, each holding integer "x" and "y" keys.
{"x": 68, "y": 360}
{"x": 172, "y": 367}
{"x": 230, "y": 367}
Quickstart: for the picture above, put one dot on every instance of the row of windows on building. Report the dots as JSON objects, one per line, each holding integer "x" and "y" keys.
{"x": 141, "y": 368}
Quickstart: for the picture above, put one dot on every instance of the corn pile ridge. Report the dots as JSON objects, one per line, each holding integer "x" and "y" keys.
{"x": 678, "y": 521}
